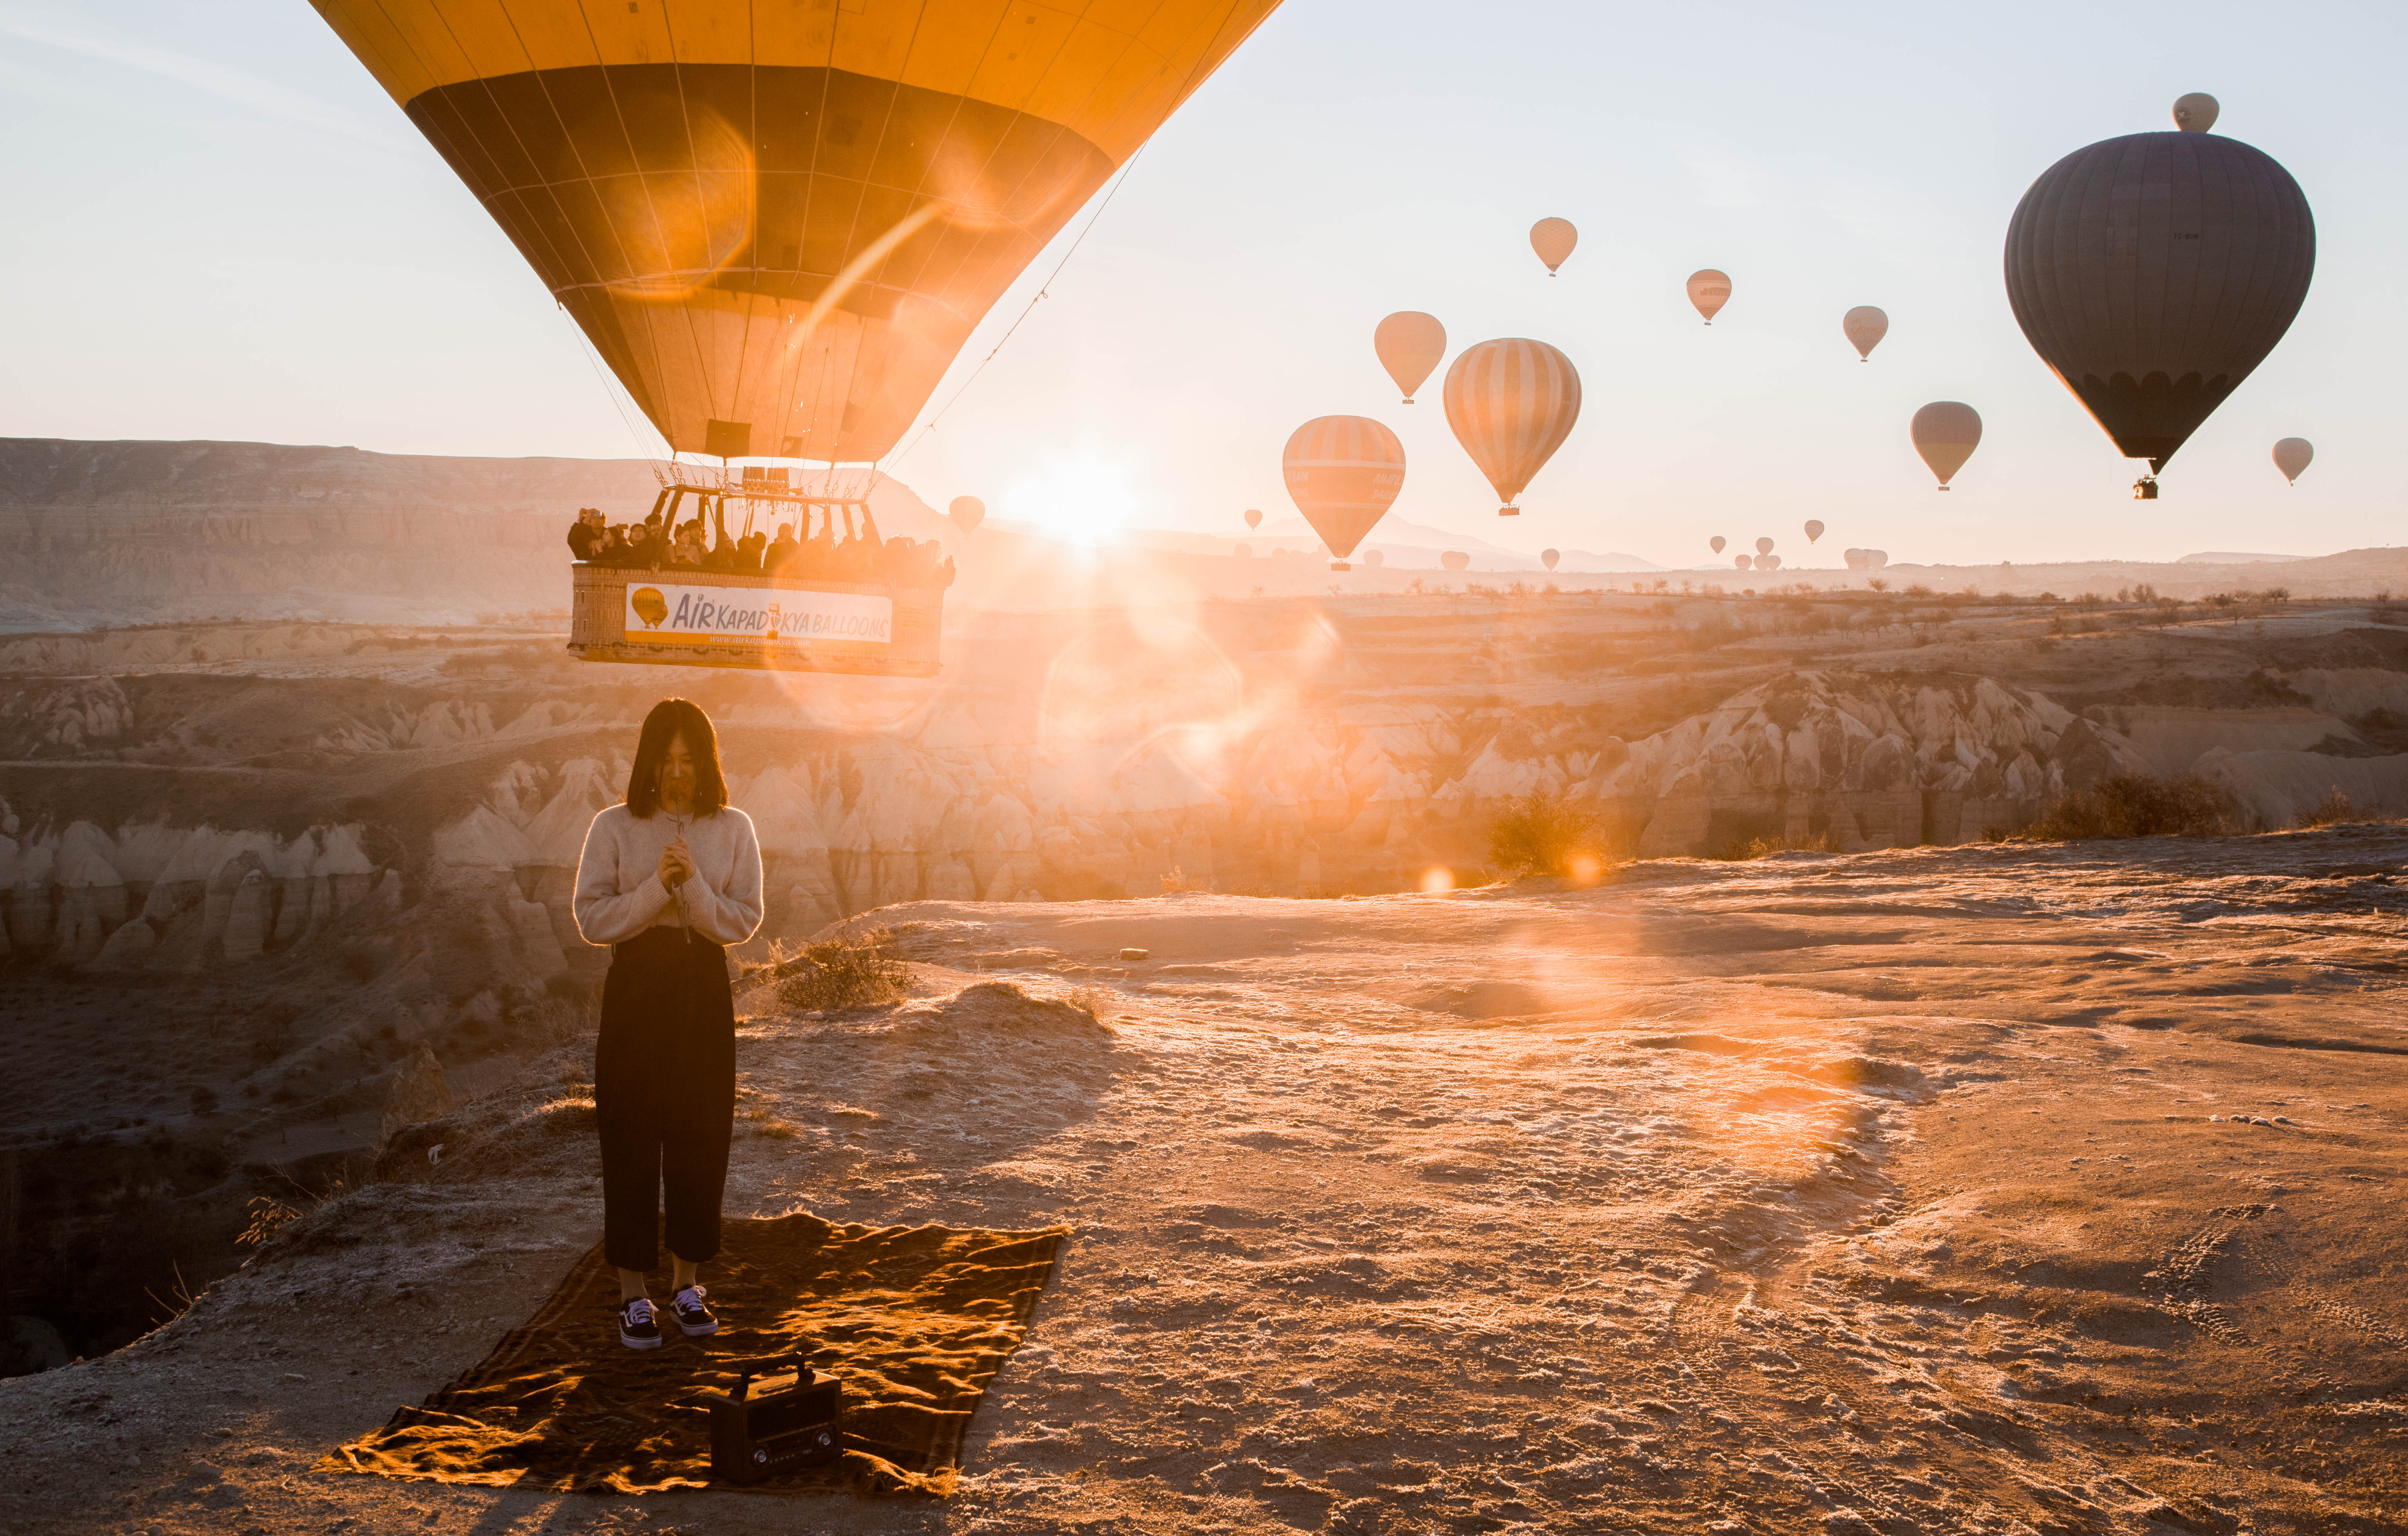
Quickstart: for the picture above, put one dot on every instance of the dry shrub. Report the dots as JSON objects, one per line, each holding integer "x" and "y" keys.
{"x": 2332, "y": 810}
{"x": 1818, "y": 842}
{"x": 850, "y": 970}
{"x": 2136, "y": 805}
{"x": 1541, "y": 834}
{"x": 1094, "y": 1001}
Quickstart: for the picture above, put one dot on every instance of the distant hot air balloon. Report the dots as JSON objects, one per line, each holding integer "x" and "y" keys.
{"x": 1865, "y": 326}
{"x": 968, "y": 512}
{"x": 1876, "y": 559}
{"x": 1344, "y": 473}
{"x": 778, "y": 236}
{"x": 1945, "y": 432}
{"x": 1767, "y": 562}
{"x": 1710, "y": 290}
{"x": 2153, "y": 272}
{"x": 1813, "y": 530}
{"x": 1742, "y": 561}
{"x": 1853, "y": 558}
{"x": 2195, "y": 113}
{"x": 1245, "y": 552}
{"x": 1549, "y": 557}
{"x": 1553, "y": 239}
{"x": 1410, "y": 344}
{"x": 1512, "y": 403}
{"x": 2291, "y": 456}
{"x": 1254, "y": 517}
{"x": 1717, "y": 543}
{"x": 1455, "y": 560}
{"x": 1375, "y": 558}
{"x": 1764, "y": 546}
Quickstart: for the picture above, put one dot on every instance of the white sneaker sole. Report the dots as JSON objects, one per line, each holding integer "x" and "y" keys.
{"x": 696, "y": 1330}
{"x": 652, "y": 1342}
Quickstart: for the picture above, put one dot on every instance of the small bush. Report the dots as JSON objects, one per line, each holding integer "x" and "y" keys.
{"x": 2332, "y": 810}
{"x": 1756, "y": 847}
{"x": 1541, "y": 834}
{"x": 851, "y": 971}
{"x": 2136, "y": 805}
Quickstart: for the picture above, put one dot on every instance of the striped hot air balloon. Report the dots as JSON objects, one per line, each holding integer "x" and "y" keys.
{"x": 778, "y": 223}
{"x": 1344, "y": 473}
{"x": 1512, "y": 403}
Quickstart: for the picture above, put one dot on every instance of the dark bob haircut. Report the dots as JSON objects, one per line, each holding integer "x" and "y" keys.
{"x": 670, "y": 719}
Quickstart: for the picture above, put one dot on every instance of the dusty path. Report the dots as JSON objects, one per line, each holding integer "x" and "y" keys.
{"x": 1953, "y": 1190}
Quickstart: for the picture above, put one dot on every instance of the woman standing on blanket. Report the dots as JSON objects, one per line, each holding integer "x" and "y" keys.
{"x": 667, "y": 879}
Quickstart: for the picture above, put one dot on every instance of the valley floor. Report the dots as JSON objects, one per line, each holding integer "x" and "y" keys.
{"x": 1990, "y": 1188}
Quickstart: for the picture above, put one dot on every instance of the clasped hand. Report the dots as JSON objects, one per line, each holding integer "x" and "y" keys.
{"x": 677, "y": 864}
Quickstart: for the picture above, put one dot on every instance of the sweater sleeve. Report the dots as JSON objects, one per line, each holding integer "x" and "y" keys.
{"x": 605, "y": 913}
{"x": 729, "y": 915}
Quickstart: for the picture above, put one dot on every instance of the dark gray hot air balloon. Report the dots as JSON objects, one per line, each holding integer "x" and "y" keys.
{"x": 2153, "y": 272}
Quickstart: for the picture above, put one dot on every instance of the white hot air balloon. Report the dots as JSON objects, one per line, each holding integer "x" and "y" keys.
{"x": 1512, "y": 403}
{"x": 1553, "y": 239}
{"x": 1813, "y": 530}
{"x": 1710, "y": 290}
{"x": 1865, "y": 326}
{"x": 2195, "y": 113}
{"x": 1945, "y": 432}
{"x": 2291, "y": 456}
{"x": 1411, "y": 344}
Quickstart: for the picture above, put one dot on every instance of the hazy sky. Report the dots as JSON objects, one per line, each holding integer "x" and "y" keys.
{"x": 221, "y": 227}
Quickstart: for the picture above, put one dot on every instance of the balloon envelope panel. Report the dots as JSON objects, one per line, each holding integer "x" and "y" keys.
{"x": 779, "y": 235}
{"x": 2153, "y": 272}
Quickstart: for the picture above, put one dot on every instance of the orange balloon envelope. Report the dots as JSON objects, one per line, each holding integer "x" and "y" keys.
{"x": 968, "y": 512}
{"x": 1254, "y": 517}
{"x": 1945, "y": 432}
{"x": 1344, "y": 473}
{"x": 1865, "y": 325}
{"x": 1553, "y": 239}
{"x": 1764, "y": 546}
{"x": 1455, "y": 560}
{"x": 1512, "y": 403}
{"x": 1813, "y": 530}
{"x": 1717, "y": 543}
{"x": 1709, "y": 291}
{"x": 779, "y": 230}
{"x": 1410, "y": 344}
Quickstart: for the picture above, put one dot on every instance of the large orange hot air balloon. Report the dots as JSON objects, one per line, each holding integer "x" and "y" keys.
{"x": 1710, "y": 290}
{"x": 779, "y": 223}
{"x": 1410, "y": 344}
{"x": 1512, "y": 404}
{"x": 1344, "y": 473}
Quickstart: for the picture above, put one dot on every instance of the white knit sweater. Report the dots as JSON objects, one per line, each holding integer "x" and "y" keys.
{"x": 619, "y": 889}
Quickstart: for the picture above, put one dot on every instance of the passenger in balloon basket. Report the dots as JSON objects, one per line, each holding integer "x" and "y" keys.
{"x": 667, "y": 878}
{"x": 782, "y": 552}
{"x": 584, "y": 533}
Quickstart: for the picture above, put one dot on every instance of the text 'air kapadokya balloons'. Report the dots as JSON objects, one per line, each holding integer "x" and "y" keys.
{"x": 2153, "y": 272}
{"x": 1945, "y": 432}
{"x": 1717, "y": 543}
{"x": 1865, "y": 326}
{"x": 968, "y": 512}
{"x": 1710, "y": 290}
{"x": 1764, "y": 546}
{"x": 1512, "y": 403}
{"x": 1410, "y": 344}
{"x": 778, "y": 235}
{"x": 1254, "y": 517}
{"x": 1813, "y": 530}
{"x": 1344, "y": 473}
{"x": 1549, "y": 557}
{"x": 2196, "y": 112}
{"x": 1553, "y": 239}
{"x": 2291, "y": 456}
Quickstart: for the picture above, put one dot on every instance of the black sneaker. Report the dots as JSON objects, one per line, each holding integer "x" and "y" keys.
{"x": 692, "y": 1316}
{"x": 638, "y": 1324}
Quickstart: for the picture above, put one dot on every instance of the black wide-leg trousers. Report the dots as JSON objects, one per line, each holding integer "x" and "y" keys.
{"x": 664, "y": 1092}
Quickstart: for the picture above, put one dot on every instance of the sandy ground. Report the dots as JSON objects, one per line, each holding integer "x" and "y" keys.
{"x": 1974, "y": 1189}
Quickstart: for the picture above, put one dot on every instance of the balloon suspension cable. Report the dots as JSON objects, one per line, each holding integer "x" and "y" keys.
{"x": 1043, "y": 290}
{"x": 619, "y": 403}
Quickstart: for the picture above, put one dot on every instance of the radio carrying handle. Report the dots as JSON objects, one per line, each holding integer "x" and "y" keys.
{"x": 765, "y": 1364}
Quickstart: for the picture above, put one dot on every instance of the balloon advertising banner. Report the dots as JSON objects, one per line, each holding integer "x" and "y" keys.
{"x": 666, "y": 614}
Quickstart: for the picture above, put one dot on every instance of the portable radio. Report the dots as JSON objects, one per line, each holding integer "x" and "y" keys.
{"x": 787, "y": 1427}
